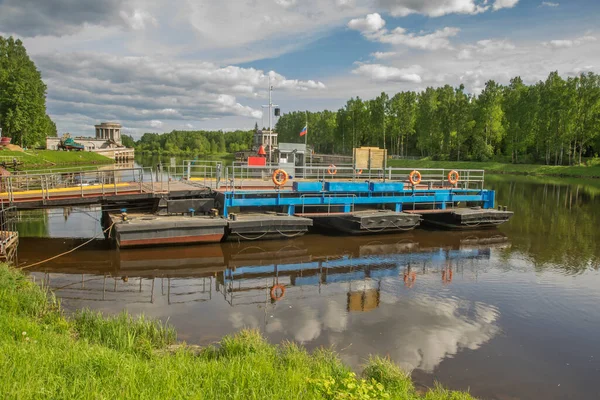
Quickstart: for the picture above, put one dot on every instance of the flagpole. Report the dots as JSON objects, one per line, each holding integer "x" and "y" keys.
{"x": 306, "y": 134}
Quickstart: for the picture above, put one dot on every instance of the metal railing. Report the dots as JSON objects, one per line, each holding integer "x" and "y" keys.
{"x": 239, "y": 175}
{"x": 44, "y": 185}
{"x": 9, "y": 236}
{"x": 55, "y": 182}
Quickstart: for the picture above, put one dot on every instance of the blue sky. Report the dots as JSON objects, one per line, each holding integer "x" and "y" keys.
{"x": 158, "y": 65}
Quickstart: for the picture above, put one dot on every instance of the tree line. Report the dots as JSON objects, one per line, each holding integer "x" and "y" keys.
{"x": 193, "y": 142}
{"x": 556, "y": 121}
{"x": 22, "y": 97}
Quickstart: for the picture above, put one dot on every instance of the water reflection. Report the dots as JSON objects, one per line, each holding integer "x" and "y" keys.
{"x": 556, "y": 221}
{"x": 334, "y": 295}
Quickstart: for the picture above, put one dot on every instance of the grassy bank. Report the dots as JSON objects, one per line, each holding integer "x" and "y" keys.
{"x": 51, "y": 158}
{"x": 44, "y": 354}
{"x": 500, "y": 168}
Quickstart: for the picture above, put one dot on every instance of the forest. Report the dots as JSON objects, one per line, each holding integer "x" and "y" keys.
{"x": 555, "y": 122}
{"x": 22, "y": 97}
{"x": 194, "y": 142}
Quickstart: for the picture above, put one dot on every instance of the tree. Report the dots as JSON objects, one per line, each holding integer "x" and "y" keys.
{"x": 554, "y": 121}
{"x": 403, "y": 107}
{"x": 489, "y": 116}
{"x": 22, "y": 96}
{"x": 427, "y": 123}
{"x": 127, "y": 141}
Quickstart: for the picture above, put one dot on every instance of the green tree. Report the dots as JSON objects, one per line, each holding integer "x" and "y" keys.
{"x": 22, "y": 96}
{"x": 127, "y": 141}
{"x": 489, "y": 118}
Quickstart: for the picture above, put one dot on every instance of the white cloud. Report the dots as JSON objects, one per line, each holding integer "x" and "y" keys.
{"x": 485, "y": 46}
{"x": 565, "y": 43}
{"x": 372, "y": 28}
{"x": 371, "y": 23}
{"x": 156, "y": 124}
{"x": 433, "y": 8}
{"x": 549, "y": 4}
{"x": 285, "y": 3}
{"x": 138, "y": 19}
{"x": 383, "y": 55}
{"x": 382, "y": 73}
{"x": 500, "y": 4}
{"x": 430, "y": 41}
{"x": 134, "y": 90}
{"x": 229, "y": 24}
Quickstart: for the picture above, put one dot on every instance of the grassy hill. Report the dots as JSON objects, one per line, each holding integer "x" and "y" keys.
{"x": 51, "y": 158}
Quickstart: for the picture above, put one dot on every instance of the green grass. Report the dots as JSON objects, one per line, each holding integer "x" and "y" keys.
{"x": 44, "y": 354}
{"x": 592, "y": 171}
{"x": 52, "y": 158}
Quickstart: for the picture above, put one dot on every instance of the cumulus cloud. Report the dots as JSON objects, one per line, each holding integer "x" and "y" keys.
{"x": 486, "y": 46}
{"x": 138, "y": 19}
{"x": 382, "y": 73}
{"x": 226, "y": 24}
{"x": 379, "y": 55}
{"x": 130, "y": 89}
{"x": 499, "y": 4}
{"x": 372, "y": 28}
{"x": 433, "y": 8}
{"x": 370, "y": 23}
{"x": 430, "y": 41}
{"x": 62, "y": 17}
{"x": 565, "y": 43}
{"x": 285, "y": 3}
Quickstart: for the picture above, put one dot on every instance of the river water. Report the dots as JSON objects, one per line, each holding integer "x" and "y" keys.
{"x": 511, "y": 313}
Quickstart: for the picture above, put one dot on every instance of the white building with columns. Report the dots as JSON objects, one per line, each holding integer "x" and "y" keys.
{"x": 107, "y": 141}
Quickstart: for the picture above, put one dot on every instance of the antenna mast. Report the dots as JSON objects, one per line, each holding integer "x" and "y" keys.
{"x": 270, "y": 107}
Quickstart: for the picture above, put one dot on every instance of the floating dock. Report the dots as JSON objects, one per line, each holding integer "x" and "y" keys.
{"x": 263, "y": 226}
{"x": 151, "y": 230}
{"x": 465, "y": 218}
{"x": 367, "y": 222}
{"x": 388, "y": 203}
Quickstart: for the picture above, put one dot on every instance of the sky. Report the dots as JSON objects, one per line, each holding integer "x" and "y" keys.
{"x": 159, "y": 65}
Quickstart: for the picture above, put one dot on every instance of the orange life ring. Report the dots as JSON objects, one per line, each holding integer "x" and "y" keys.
{"x": 453, "y": 177}
{"x": 274, "y": 295}
{"x": 410, "y": 278}
{"x": 332, "y": 170}
{"x": 280, "y": 177}
{"x": 414, "y": 177}
{"x": 447, "y": 276}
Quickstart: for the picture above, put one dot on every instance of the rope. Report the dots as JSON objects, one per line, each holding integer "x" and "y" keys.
{"x": 292, "y": 235}
{"x": 248, "y": 238}
{"x": 387, "y": 226}
{"x": 266, "y": 232}
{"x": 69, "y": 251}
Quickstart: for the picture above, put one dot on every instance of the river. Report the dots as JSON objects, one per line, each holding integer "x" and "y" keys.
{"x": 507, "y": 314}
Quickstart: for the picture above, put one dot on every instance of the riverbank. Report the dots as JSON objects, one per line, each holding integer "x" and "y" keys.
{"x": 45, "y": 354}
{"x": 37, "y": 159}
{"x": 500, "y": 168}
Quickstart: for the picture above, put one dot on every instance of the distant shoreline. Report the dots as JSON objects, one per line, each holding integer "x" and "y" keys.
{"x": 584, "y": 172}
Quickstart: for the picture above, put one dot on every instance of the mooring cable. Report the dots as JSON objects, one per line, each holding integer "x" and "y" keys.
{"x": 69, "y": 251}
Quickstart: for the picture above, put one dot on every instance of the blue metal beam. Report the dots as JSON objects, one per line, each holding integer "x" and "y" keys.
{"x": 295, "y": 199}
